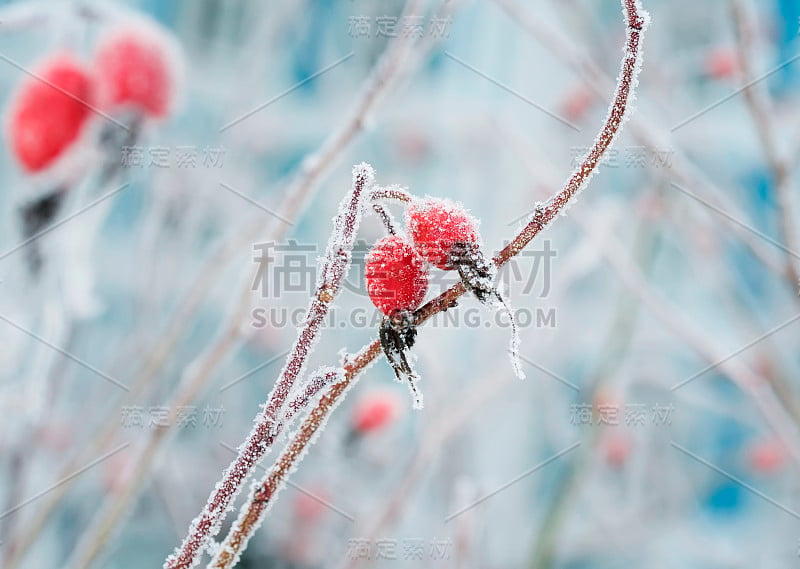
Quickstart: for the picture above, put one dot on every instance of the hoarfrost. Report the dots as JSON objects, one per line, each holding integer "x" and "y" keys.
{"x": 267, "y": 426}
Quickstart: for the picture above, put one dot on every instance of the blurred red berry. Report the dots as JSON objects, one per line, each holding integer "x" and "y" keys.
{"x": 413, "y": 145}
{"x": 116, "y": 471}
{"x": 616, "y": 447}
{"x": 310, "y": 506}
{"x": 766, "y": 456}
{"x": 397, "y": 278}
{"x": 436, "y": 226}
{"x": 49, "y": 111}
{"x": 721, "y": 63}
{"x": 375, "y": 411}
{"x": 577, "y": 103}
{"x": 136, "y": 66}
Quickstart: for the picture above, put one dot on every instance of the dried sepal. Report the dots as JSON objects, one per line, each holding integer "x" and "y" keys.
{"x": 478, "y": 274}
{"x": 397, "y": 335}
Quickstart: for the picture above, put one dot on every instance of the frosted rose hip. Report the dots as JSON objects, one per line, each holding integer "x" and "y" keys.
{"x": 436, "y": 226}
{"x": 136, "y": 66}
{"x": 49, "y": 111}
{"x": 397, "y": 278}
{"x": 447, "y": 237}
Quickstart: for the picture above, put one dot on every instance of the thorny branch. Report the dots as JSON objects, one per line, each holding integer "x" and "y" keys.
{"x": 251, "y": 514}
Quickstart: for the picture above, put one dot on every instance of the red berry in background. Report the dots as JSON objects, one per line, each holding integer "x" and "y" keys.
{"x": 310, "y": 506}
{"x": 49, "y": 111}
{"x": 577, "y": 103}
{"x": 721, "y": 63}
{"x": 137, "y": 67}
{"x": 616, "y": 448}
{"x": 436, "y": 226}
{"x": 375, "y": 410}
{"x": 397, "y": 278}
{"x": 767, "y": 455}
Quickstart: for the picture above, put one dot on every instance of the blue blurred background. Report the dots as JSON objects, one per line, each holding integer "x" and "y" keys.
{"x": 658, "y": 423}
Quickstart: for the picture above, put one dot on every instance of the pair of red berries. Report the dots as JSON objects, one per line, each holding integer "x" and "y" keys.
{"x": 441, "y": 233}
{"x": 133, "y": 68}
{"x": 397, "y": 269}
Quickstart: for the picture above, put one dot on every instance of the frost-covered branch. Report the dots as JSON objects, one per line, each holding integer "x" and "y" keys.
{"x": 401, "y": 56}
{"x": 763, "y": 393}
{"x": 758, "y": 102}
{"x": 252, "y": 513}
{"x": 260, "y": 499}
{"x": 636, "y": 20}
{"x": 648, "y": 132}
{"x": 390, "y": 193}
{"x": 333, "y": 270}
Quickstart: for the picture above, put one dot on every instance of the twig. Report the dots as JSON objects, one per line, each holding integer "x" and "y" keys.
{"x": 647, "y": 133}
{"x": 636, "y": 20}
{"x": 758, "y": 102}
{"x": 386, "y": 218}
{"x": 261, "y": 495}
{"x": 334, "y": 268}
{"x": 395, "y": 62}
{"x": 772, "y": 409}
{"x": 395, "y": 193}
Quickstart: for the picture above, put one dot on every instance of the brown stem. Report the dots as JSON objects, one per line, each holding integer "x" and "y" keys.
{"x": 646, "y": 131}
{"x": 261, "y": 496}
{"x": 758, "y": 103}
{"x": 386, "y": 218}
{"x": 401, "y": 56}
{"x": 253, "y": 511}
{"x": 262, "y": 436}
{"x": 395, "y": 193}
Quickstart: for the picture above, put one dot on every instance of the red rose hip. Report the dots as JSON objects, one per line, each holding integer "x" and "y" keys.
{"x": 447, "y": 236}
{"x": 137, "y": 67}
{"x": 397, "y": 278}
{"x": 49, "y": 111}
{"x": 437, "y": 226}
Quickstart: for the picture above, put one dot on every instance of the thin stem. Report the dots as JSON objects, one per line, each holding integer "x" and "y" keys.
{"x": 386, "y": 218}
{"x": 319, "y": 381}
{"x": 261, "y": 496}
{"x": 649, "y": 134}
{"x": 252, "y": 512}
{"x": 396, "y": 62}
{"x": 334, "y": 269}
{"x": 758, "y": 102}
{"x": 393, "y": 193}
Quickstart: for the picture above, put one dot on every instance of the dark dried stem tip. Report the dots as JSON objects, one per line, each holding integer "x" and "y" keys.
{"x": 397, "y": 335}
